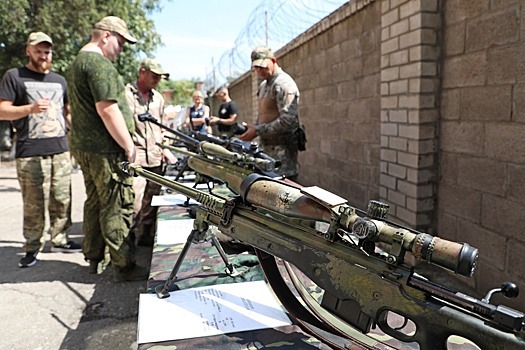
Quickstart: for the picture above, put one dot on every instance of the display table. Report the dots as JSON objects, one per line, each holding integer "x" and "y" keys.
{"x": 203, "y": 266}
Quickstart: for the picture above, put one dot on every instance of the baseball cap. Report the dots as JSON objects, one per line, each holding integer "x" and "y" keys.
{"x": 36, "y": 38}
{"x": 261, "y": 56}
{"x": 117, "y": 25}
{"x": 154, "y": 66}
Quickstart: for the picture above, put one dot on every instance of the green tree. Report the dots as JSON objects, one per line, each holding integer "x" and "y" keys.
{"x": 69, "y": 23}
{"x": 181, "y": 91}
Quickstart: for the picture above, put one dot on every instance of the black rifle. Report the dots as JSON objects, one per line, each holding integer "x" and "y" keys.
{"x": 251, "y": 156}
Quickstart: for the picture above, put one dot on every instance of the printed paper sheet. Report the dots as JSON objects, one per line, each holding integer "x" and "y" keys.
{"x": 206, "y": 311}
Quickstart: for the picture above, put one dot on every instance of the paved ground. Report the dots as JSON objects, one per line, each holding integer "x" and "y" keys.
{"x": 56, "y": 304}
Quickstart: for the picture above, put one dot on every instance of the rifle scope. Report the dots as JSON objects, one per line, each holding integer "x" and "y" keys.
{"x": 290, "y": 201}
{"x": 461, "y": 258}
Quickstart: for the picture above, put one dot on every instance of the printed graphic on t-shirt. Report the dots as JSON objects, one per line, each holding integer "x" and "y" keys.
{"x": 50, "y": 123}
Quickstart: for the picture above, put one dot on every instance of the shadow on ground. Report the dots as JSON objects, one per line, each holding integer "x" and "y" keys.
{"x": 110, "y": 310}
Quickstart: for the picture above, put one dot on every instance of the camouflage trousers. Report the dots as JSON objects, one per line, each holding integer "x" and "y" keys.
{"x": 146, "y": 217}
{"x": 108, "y": 209}
{"x": 45, "y": 182}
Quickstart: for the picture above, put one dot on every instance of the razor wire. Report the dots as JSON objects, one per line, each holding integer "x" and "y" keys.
{"x": 273, "y": 23}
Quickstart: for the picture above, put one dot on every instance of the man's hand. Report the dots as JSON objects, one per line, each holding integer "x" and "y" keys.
{"x": 249, "y": 134}
{"x": 214, "y": 120}
{"x": 41, "y": 105}
{"x": 131, "y": 154}
{"x": 10, "y": 112}
{"x": 169, "y": 156}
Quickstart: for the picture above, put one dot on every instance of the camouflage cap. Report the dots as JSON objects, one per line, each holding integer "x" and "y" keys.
{"x": 36, "y": 38}
{"x": 117, "y": 25}
{"x": 152, "y": 65}
{"x": 261, "y": 56}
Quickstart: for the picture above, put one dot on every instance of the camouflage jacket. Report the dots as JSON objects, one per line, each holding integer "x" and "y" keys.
{"x": 277, "y": 119}
{"x": 93, "y": 78}
{"x": 146, "y": 134}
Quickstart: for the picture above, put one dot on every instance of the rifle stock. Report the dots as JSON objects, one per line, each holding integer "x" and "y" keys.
{"x": 362, "y": 284}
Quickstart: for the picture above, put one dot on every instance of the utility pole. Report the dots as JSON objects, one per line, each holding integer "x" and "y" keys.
{"x": 266, "y": 26}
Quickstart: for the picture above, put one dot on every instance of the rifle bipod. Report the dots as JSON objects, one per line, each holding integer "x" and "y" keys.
{"x": 195, "y": 236}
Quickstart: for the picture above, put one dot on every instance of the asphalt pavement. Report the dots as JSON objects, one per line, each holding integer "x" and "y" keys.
{"x": 57, "y": 304}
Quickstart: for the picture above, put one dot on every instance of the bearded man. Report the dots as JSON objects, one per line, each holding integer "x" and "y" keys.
{"x": 35, "y": 100}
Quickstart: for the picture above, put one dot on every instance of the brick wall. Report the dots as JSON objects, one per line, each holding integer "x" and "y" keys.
{"x": 410, "y": 53}
{"x": 419, "y": 103}
{"x": 481, "y": 197}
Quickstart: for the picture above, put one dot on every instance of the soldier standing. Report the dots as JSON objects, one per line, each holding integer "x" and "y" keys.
{"x": 35, "y": 100}
{"x": 101, "y": 129}
{"x": 277, "y": 115}
{"x": 143, "y": 98}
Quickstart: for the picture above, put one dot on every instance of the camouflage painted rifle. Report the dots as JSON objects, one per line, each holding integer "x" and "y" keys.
{"x": 363, "y": 285}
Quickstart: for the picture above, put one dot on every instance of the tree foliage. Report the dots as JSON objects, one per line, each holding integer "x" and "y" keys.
{"x": 181, "y": 91}
{"x": 69, "y": 23}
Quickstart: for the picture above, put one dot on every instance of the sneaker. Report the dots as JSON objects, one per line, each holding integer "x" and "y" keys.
{"x": 28, "y": 260}
{"x": 136, "y": 273}
{"x": 69, "y": 247}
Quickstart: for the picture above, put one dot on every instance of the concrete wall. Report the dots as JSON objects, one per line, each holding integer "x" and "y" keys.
{"x": 421, "y": 104}
{"x": 481, "y": 196}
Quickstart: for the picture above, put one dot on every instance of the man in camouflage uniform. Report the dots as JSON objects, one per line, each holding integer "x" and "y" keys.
{"x": 101, "y": 131}
{"x": 35, "y": 100}
{"x": 142, "y": 98}
{"x": 277, "y": 116}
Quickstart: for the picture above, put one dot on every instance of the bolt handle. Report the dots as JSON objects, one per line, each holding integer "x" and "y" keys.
{"x": 508, "y": 289}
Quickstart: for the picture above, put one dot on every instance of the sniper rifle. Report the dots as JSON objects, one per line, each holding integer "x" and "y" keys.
{"x": 363, "y": 284}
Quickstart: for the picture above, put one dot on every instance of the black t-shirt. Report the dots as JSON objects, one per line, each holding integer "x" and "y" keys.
{"x": 38, "y": 134}
{"x": 225, "y": 111}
